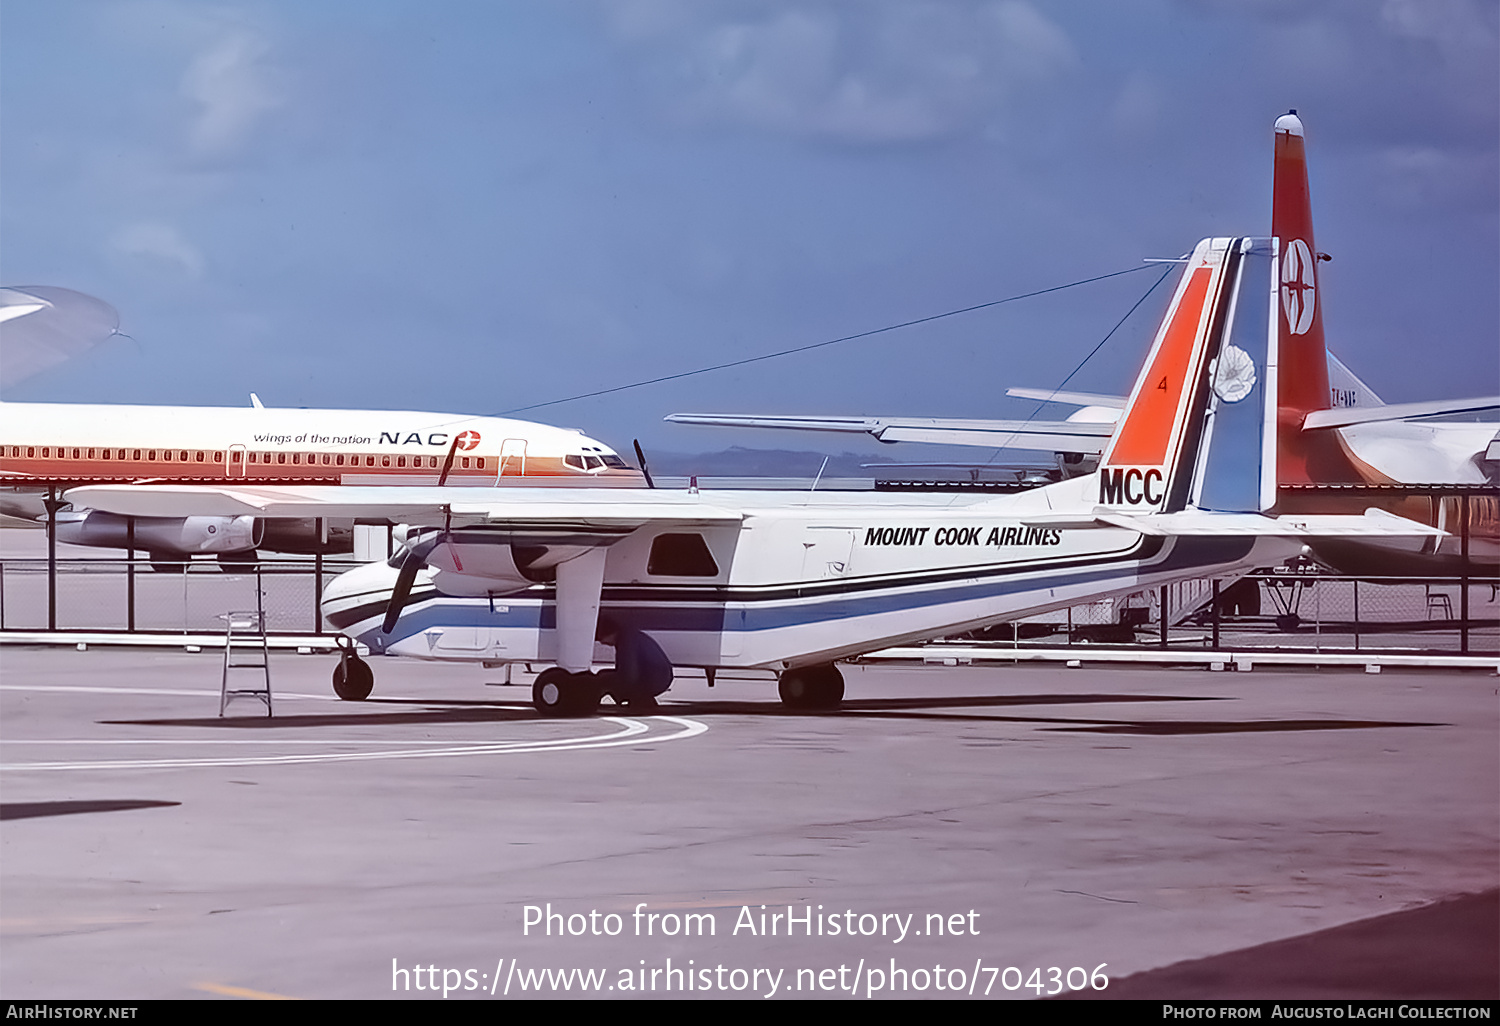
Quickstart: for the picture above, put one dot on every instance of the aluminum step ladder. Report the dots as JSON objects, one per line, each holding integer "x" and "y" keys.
{"x": 248, "y": 627}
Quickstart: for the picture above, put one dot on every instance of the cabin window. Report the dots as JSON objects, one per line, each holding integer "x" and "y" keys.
{"x": 75, "y": 454}
{"x": 91, "y": 454}
{"x": 151, "y": 455}
{"x": 400, "y": 461}
{"x": 385, "y": 461}
{"x": 340, "y": 461}
{"x": 481, "y": 463}
{"x": 200, "y": 456}
{"x": 466, "y": 463}
{"x": 106, "y": 453}
{"x": 219, "y": 457}
{"x": 137, "y": 455}
{"x": 681, "y": 555}
{"x": 183, "y": 456}
{"x": 281, "y": 457}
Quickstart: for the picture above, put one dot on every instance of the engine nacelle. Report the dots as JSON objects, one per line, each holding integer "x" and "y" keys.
{"x": 166, "y": 535}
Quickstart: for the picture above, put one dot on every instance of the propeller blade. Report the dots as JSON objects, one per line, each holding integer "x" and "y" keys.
{"x": 416, "y": 559}
{"x": 447, "y": 466}
{"x": 641, "y": 459}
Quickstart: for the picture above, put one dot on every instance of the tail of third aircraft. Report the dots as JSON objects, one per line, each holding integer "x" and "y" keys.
{"x": 1304, "y": 457}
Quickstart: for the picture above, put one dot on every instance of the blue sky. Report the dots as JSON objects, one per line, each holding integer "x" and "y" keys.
{"x": 479, "y": 206}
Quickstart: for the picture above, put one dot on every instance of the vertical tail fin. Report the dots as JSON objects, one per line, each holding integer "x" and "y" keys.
{"x": 1304, "y": 386}
{"x": 1199, "y": 426}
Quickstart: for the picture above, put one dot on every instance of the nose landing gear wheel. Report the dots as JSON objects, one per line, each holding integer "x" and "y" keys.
{"x": 812, "y": 687}
{"x": 353, "y": 680}
{"x": 556, "y": 692}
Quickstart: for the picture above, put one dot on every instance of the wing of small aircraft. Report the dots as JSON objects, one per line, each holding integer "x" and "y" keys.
{"x": 603, "y": 507}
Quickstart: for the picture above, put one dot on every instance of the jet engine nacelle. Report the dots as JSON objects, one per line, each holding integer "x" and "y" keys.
{"x": 170, "y": 535}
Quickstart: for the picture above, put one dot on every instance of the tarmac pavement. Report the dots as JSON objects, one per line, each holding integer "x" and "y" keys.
{"x": 996, "y": 822}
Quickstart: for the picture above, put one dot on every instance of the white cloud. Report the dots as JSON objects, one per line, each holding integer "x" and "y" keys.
{"x": 1429, "y": 177}
{"x": 1450, "y": 23}
{"x": 881, "y": 71}
{"x": 232, "y": 87}
{"x": 157, "y": 247}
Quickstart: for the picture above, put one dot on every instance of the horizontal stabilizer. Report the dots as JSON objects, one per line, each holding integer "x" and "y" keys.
{"x": 1047, "y": 395}
{"x": 1322, "y": 419}
{"x": 1373, "y": 523}
{"x": 1044, "y": 436}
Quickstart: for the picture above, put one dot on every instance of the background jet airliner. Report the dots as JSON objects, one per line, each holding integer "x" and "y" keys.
{"x": 55, "y": 446}
{"x": 796, "y": 581}
{"x": 1334, "y": 428}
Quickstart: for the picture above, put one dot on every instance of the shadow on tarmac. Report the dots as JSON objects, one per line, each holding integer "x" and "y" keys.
{"x": 28, "y": 810}
{"x": 927, "y": 708}
{"x": 1449, "y": 950}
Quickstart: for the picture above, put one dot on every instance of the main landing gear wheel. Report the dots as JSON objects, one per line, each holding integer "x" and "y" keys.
{"x": 812, "y": 687}
{"x": 557, "y": 692}
{"x": 353, "y": 680}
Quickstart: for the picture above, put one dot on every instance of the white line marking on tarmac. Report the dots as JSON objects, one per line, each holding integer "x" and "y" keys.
{"x": 630, "y": 732}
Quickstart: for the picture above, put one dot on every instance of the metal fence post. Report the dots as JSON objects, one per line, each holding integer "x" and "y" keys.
{"x": 130, "y": 573}
{"x": 1356, "y": 614}
{"x": 1216, "y": 613}
{"x": 318, "y": 580}
{"x": 1463, "y": 579}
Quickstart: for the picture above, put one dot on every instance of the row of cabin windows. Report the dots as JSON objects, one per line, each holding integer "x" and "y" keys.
{"x": 80, "y": 453}
{"x": 202, "y": 456}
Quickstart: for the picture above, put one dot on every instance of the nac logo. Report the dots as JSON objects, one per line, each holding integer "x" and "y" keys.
{"x": 1299, "y": 292}
{"x": 466, "y": 440}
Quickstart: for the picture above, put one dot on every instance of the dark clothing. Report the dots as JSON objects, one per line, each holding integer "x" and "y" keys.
{"x": 642, "y": 670}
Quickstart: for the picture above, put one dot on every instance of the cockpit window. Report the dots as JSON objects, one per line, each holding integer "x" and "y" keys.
{"x": 573, "y": 460}
{"x": 614, "y": 462}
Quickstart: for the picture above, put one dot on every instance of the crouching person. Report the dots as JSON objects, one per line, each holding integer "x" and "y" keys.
{"x": 641, "y": 671}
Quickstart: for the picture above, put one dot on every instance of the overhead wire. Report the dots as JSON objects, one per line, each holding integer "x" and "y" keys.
{"x": 835, "y": 341}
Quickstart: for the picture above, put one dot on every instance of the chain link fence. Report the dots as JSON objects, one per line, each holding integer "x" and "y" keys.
{"x": 1298, "y": 610}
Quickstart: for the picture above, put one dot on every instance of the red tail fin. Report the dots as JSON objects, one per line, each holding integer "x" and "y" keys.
{"x": 1302, "y": 458}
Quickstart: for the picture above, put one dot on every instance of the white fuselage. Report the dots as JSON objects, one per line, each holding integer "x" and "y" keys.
{"x": 810, "y": 580}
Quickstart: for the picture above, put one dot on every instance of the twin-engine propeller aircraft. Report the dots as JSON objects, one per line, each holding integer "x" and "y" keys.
{"x": 1333, "y": 428}
{"x": 46, "y": 447}
{"x": 795, "y": 581}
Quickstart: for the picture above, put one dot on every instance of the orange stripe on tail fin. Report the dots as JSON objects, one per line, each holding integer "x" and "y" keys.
{"x": 1137, "y": 470}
